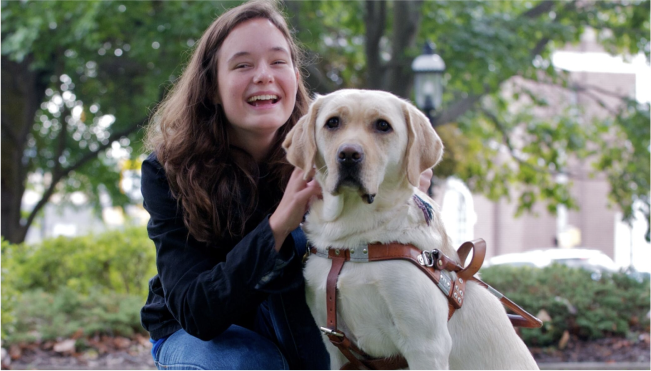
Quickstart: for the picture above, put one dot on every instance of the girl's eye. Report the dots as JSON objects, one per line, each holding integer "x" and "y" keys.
{"x": 383, "y": 126}
{"x": 280, "y": 62}
{"x": 332, "y": 123}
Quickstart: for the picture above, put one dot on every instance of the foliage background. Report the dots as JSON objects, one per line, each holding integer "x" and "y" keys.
{"x": 614, "y": 305}
{"x": 79, "y": 81}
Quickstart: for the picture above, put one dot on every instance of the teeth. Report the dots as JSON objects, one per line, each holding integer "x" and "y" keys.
{"x": 262, "y": 97}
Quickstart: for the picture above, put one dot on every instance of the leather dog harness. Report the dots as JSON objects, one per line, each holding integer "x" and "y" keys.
{"x": 449, "y": 276}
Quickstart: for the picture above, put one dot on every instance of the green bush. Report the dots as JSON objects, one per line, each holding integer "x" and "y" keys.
{"x": 95, "y": 283}
{"x": 613, "y": 305}
{"x": 119, "y": 261}
{"x": 46, "y": 316}
{"x": 9, "y": 292}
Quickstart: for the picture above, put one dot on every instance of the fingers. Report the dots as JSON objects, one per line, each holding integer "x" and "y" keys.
{"x": 297, "y": 180}
{"x": 311, "y": 192}
{"x": 312, "y": 188}
{"x": 293, "y": 205}
{"x": 311, "y": 173}
{"x": 425, "y": 180}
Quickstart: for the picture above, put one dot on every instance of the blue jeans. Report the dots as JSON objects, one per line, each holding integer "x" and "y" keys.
{"x": 284, "y": 337}
{"x": 235, "y": 349}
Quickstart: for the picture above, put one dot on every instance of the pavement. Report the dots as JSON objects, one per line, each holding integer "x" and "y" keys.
{"x": 594, "y": 366}
{"x": 584, "y": 366}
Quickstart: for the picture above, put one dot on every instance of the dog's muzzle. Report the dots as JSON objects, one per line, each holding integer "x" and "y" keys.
{"x": 350, "y": 158}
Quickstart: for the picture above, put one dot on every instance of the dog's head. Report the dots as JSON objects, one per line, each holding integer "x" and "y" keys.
{"x": 359, "y": 140}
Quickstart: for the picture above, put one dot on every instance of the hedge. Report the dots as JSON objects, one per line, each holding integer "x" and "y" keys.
{"x": 94, "y": 282}
{"x": 590, "y": 309}
{"x": 99, "y": 282}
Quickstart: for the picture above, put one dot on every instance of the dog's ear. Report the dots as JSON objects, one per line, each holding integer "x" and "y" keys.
{"x": 424, "y": 146}
{"x": 300, "y": 143}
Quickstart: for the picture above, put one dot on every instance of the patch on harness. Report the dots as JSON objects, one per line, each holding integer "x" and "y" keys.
{"x": 426, "y": 208}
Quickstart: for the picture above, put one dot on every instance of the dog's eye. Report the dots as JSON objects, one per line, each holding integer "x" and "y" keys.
{"x": 332, "y": 123}
{"x": 382, "y": 125}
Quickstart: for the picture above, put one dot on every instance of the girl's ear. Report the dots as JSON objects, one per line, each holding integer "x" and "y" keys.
{"x": 300, "y": 142}
{"x": 424, "y": 146}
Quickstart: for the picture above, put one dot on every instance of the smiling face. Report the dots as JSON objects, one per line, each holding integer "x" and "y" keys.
{"x": 257, "y": 80}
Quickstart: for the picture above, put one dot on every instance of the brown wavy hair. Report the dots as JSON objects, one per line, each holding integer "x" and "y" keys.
{"x": 214, "y": 181}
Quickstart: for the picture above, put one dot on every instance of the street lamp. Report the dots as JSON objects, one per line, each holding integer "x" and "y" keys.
{"x": 428, "y": 73}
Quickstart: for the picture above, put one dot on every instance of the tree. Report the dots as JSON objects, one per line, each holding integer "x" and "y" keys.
{"x": 79, "y": 81}
{"x": 486, "y": 46}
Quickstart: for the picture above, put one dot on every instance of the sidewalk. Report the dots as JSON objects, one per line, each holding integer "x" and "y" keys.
{"x": 587, "y": 366}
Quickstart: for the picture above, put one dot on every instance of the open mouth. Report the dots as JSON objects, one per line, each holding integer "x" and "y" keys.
{"x": 263, "y": 100}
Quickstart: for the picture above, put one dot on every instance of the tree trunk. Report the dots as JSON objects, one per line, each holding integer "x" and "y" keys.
{"x": 375, "y": 20}
{"x": 406, "y": 19}
{"x": 22, "y": 92}
{"x": 316, "y": 81}
{"x": 395, "y": 75}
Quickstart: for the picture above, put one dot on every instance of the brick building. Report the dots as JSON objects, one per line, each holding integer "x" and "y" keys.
{"x": 597, "y": 224}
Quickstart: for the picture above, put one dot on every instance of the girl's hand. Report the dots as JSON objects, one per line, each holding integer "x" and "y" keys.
{"x": 293, "y": 206}
{"x": 425, "y": 180}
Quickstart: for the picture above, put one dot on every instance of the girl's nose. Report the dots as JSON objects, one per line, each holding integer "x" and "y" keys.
{"x": 263, "y": 75}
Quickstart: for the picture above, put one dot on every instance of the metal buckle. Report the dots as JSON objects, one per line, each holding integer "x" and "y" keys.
{"x": 427, "y": 259}
{"x": 327, "y": 331}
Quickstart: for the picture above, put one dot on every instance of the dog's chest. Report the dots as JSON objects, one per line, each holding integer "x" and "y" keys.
{"x": 363, "y": 301}
{"x": 406, "y": 223}
{"x": 374, "y": 298}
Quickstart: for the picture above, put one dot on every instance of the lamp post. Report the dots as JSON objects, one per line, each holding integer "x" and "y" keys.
{"x": 428, "y": 74}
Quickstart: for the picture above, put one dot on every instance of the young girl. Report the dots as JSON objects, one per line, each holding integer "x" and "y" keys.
{"x": 225, "y": 205}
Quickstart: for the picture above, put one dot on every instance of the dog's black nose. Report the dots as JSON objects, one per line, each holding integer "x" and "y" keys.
{"x": 350, "y": 154}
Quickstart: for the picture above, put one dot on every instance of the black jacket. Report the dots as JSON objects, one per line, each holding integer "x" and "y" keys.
{"x": 206, "y": 287}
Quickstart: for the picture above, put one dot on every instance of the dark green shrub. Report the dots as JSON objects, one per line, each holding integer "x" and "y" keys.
{"x": 118, "y": 261}
{"x": 95, "y": 283}
{"x": 9, "y": 292}
{"x": 45, "y": 316}
{"x": 575, "y": 302}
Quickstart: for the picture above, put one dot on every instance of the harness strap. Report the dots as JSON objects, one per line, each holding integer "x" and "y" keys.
{"x": 389, "y": 363}
{"x": 436, "y": 266}
{"x": 522, "y": 318}
{"x": 336, "y": 337}
{"x": 453, "y": 289}
{"x": 331, "y": 291}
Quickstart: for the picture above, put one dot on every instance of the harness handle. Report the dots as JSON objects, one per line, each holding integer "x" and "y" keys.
{"x": 522, "y": 318}
{"x": 478, "y": 247}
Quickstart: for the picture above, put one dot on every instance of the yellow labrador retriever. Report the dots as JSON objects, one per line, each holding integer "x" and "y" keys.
{"x": 369, "y": 149}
